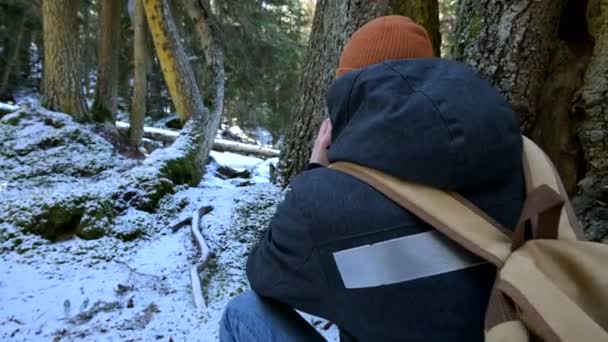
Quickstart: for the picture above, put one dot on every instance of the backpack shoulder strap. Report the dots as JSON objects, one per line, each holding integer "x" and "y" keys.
{"x": 539, "y": 170}
{"x": 449, "y": 213}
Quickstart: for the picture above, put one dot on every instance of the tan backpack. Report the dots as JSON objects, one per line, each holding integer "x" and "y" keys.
{"x": 553, "y": 287}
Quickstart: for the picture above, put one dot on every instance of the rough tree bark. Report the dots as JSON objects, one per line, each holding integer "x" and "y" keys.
{"x": 140, "y": 70}
{"x": 426, "y": 13}
{"x": 206, "y": 30}
{"x": 14, "y": 56}
{"x": 89, "y": 51}
{"x": 333, "y": 23}
{"x": 108, "y": 50}
{"x": 592, "y": 104}
{"x": 195, "y": 141}
{"x": 62, "y": 87}
{"x": 549, "y": 59}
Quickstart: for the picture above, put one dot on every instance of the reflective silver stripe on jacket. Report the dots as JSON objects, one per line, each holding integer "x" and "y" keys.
{"x": 402, "y": 259}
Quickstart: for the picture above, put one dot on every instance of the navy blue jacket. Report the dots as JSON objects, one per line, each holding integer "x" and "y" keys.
{"x": 430, "y": 121}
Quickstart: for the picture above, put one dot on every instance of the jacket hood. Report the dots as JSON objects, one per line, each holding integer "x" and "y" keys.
{"x": 428, "y": 121}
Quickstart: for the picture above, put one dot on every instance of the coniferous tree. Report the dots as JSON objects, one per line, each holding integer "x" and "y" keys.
{"x": 62, "y": 82}
{"x": 108, "y": 50}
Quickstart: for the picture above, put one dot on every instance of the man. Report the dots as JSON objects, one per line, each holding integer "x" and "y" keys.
{"x": 338, "y": 249}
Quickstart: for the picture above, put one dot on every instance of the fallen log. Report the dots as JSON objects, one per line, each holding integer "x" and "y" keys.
{"x": 6, "y": 108}
{"x": 220, "y": 145}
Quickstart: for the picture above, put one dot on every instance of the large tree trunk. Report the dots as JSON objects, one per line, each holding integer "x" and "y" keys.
{"x": 195, "y": 141}
{"x": 108, "y": 52}
{"x": 549, "y": 59}
{"x": 333, "y": 23}
{"x": 141, "y": 67}
{"x": 592, "y": 106}
{"x": 62, "y": 87}
{"x": 14, "y": 56}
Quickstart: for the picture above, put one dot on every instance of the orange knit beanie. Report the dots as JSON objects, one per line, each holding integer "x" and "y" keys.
{"x": 382, "y": 39}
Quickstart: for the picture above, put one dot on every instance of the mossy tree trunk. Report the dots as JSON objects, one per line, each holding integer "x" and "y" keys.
{"x": 108, "y": 52}
{"x": 62, "y": 83}
{"x": 550, "y": 60}
{"x": 334, "y": 22}
{"x": 196, "y": 138}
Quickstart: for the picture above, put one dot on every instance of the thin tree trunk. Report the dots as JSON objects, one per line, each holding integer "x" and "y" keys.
{"x": 140, "y": 89}
{"x": 196, "y": 138}
{"x": 333, "y": 23}
{"x": 549, "y": 59}
{"x": 108, "y": 52}
{"x": 173, "y": 60}
{"x": 155, "y": 85}
{"x": 87, "y": 56}
{"x": 207, "y": 32}
{"x": 23, "y": 70}
{"x": 62, "y": 87}
{"x": 14, "y": 57}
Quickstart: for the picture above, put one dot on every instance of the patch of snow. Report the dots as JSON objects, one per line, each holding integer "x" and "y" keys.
{"x": 107, "y": 289}
{"x": 116, "y": 288}
{"x": 261, "y": 172}
{"x": 263, "y": 136}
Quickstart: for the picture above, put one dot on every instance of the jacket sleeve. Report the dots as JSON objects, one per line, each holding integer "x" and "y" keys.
{"x": 283, "y": 265}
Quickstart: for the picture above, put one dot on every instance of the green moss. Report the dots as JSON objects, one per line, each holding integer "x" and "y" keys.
{"x": 79, "y": 137}
{"x": 101, "y": 113}
{"x": 90, "y": 232}
{"x": 183, "y": 170}
{"x": 98, "y": 217}
{"x": 50, "y": 142}
{"x": 15, "y": 118}
{"x": 50, "y": 122}
{"x": 131, "y": 235}
{"x": 56, "y": 221}
{"x": 86, "y": 217}
{"x": 475, "y": 26}
{"x": 155, "y": 190}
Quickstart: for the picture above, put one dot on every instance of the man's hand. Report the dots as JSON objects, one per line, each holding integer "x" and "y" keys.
{"x": 319, "y": 150}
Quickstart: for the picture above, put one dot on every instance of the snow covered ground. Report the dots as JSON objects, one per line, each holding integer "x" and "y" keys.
{"x": 113, "y": 289}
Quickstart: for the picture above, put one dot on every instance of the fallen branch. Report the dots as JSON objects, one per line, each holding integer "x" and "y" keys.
{"x": 197, "y": 291}
{"x": 175, "y": 226}
{"x": 221, "y": 145}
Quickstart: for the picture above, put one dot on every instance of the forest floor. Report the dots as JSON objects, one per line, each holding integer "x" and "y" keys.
{"x": 114, "y": 288}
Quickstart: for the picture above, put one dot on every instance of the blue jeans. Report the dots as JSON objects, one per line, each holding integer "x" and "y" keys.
{"x": 249, "y": 318}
